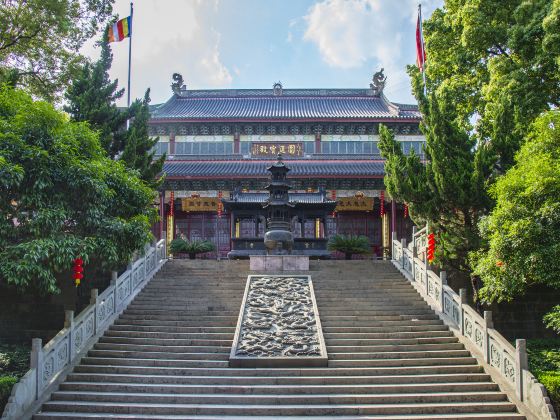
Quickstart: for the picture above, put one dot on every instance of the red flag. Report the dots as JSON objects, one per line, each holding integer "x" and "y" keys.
{"x": 420, "y": 47}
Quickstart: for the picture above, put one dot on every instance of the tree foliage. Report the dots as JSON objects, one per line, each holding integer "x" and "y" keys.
{"x": 138, "y": 151}
{"x": 492, "y": 68}
{"x": 62, "y": 197}
{"x": 523, "y": 230}
{"x": 92, "y": 97}
{"x": 40, "y": 40}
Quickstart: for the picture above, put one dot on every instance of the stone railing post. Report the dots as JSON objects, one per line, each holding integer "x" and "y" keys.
{"x": 393, "y": 239}
{"x": 36, "y": 363}
{"x": 413, "y": 265}
{"x": 443, "y": 278}
{"x": 403, "y": 247}
{"x": 462, "y": 301}
{"x": 69, "y": 324}
{"x": 488, "y": 323}
{"x": 93, "y": 301}
{"x": 521, "y": 363}
{"x": 114, "y": 277}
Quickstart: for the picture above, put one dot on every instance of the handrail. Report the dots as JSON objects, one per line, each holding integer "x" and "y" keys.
{"x": 66, "y": 348}
{"x": 488, "y": 344}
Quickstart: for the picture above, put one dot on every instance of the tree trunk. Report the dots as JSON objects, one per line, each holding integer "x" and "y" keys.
{"x": 192, "y": 255}
{"x": 347, "y": 256}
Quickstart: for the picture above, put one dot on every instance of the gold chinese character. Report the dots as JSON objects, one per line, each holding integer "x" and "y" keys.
{"x": 292, "y": 149}
{"x": 282, "y": 149}
{"x": 262, "y": 149}
{"x": 272, "y": 149}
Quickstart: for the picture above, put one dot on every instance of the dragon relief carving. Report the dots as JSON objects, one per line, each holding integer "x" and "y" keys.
{"x": 279, "y": 319}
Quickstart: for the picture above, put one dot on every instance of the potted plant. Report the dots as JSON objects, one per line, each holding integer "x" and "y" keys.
{"x": 349, "y": 245}
{"x": 182, "y": 246}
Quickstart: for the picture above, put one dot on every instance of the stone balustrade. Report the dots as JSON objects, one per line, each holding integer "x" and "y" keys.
{"x": 489, "y": 345}
{"x": 78, "y": 334}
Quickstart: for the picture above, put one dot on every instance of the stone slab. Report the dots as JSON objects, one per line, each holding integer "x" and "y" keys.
{"x": 275, "y": 263}
{"x": 278, "y": 324}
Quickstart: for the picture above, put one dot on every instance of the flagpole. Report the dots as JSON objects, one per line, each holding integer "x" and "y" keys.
{"x": 129, "y": 57}
{"x": 422, "y": 47}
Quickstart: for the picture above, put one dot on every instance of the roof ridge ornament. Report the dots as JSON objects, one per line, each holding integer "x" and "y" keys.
{"x": 378, "y": 82}
{"x": 277, "y": 88}
{"x": 177, "y": 86}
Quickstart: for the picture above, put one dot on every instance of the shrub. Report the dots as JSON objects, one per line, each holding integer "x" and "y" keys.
{"x": 349, "y": 245}
{"x": 544, "y": 363}
{"x": 6, "y": 385}
{"x": 180, "y": 246}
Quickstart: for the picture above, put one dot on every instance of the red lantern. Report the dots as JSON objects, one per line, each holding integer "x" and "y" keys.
{"x": 382, "y": 203}
{"x": 405, "y": 210}
{"x": 78, "y": 270}
{"x": 333, "y": 197}
{"x": 431, "y": 248}
{"x": 219, "y": 204}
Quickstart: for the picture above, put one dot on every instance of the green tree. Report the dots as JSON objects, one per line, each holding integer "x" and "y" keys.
{"x": 40, "y": 40}
{"x": 92, "y": 97}
{"x": 138, "y": 151}
{"x": 492, "y": 68}
{"x": 499, "y": 62}
{"x": 523, "y": 230}
{"x": 62, "y": 197}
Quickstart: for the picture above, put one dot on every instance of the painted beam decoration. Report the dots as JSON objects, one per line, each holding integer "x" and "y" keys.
{"x": 278, "y": 324}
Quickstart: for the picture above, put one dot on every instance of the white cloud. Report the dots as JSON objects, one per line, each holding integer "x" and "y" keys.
{"x": 176, "y": 37}
{"x": 353, "y": 33}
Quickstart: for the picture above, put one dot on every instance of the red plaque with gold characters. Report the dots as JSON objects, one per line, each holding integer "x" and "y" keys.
{"x": 272, "y": 149}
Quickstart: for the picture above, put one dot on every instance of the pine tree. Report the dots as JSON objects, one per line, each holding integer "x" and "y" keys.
{"x": 138, "y": 152}
{"x": 91, "y": 97}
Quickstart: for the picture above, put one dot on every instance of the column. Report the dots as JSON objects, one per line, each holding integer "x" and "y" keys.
{"x": 172, "y": 141}
{"x": 236, "y": 143}
{"x": 318, "y": 143}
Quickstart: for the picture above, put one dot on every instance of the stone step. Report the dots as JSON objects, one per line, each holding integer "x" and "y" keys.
{"x": 401, "y": 362}
{"x": 358, "y": 371}
{"x": 177, "y": 335}
{"x": 390, "y": 344}
{"x": 375, "y": 353}
{"x": 165, "y": 341}
{"x": 231, "y": 322}
{"x": 390, "y": 378}
{"x": 401, "y": 332}
{"x": 78, "y": 387}
{"x": 181, "y": 363}
{"x": 160, "y": 328}
{"x": 285, "y": 410}
{"x": 166, "y": 349}
{"x": 456, "y": 416}
{"x": 224, "y": 356}
{"x": 272, "y": 399}
{"x": 425, "y": 315}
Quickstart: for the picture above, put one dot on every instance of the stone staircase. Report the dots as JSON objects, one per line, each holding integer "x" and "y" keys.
{"x": 390, "y": 357}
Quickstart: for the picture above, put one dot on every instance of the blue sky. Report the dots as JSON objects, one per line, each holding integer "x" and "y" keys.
{"x": 255, "y": 43}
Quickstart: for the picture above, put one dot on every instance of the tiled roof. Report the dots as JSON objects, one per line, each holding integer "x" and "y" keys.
{"x": 257, "y": 168}
{"x": 293, "y": 104}
{"x": 304, "y": 198}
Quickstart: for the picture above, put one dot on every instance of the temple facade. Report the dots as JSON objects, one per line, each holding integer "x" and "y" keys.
{"x": 219, "y": 144}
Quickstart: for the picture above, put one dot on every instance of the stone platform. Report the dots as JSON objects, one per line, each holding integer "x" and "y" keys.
{"x": 278, "y": 325}
{"x": 275, "y": 263}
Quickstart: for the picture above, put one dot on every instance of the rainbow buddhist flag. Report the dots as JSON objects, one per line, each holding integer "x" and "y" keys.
{"x": 120, "y": 30}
